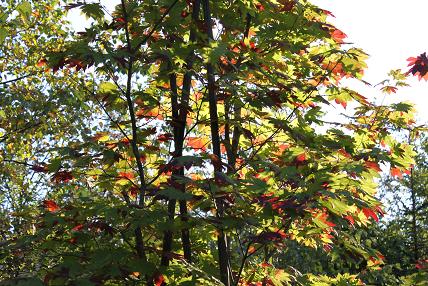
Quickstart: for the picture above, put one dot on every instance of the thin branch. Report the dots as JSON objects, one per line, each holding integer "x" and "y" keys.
{"x": 17, "y": 79}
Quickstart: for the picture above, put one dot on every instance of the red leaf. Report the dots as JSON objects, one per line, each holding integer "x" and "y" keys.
{"x": 62, "y": 177}
{"x": 165, "y": 137}
{"x": 350, "y": 219}
{"x": 159, "y": 280}
{"x": 422, "y": 264}
{"x": 344, "y": 153}
{"x": 78, "y": 227}
{"x": 260, "y": 7}
{"x": 370, "y": 213}
{"x": 50, "y": 206}
{"x": 39, "y": 168}
{"x": 419, "y": 66}
{"x": 373, "y": 166}
{"x": 328, "y": 13}
{"x": 301, "y": 158}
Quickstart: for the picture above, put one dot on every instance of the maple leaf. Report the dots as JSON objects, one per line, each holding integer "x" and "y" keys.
{"x": 372, "y": 165}
{"x": 50, "y": 206}
{"x": 301, "y": 158}
{"x": 343, "y": 152}
{"x": 288, "y": 5}
{"x": 197, "y": 143}
{"x": 389, "y": 89}
{"x": 159, "y": 280}
{"x": 323, "y": 218}
{"x": 62, "y": 177}
{"x": 260, "y": 7}
{"x": 41, "y": 63}
{"x": 396, "y": 172}
{"x": 126, "y": 175}
{"x": 39, "y": 168}
{"x": 338, "y": 36}
{"x": 328, "y": 13}
{"x": 350, "y": 219}
{"x": 419, "y": 66}
{"x": 165, "y": 137}
{"x": 149, "y": 113}
{"x": 78, "y": 227}
{"x": 370, "y": 213}
{"x": 341, "y": 102}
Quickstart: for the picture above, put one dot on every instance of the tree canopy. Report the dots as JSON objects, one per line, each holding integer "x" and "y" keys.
{"x": 183, "y": 143}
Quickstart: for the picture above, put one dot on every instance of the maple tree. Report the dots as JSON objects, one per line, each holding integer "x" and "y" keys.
{"x": 183, "y": 143}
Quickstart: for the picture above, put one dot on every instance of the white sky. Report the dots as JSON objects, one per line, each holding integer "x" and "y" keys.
{"x": 390, "y": 31}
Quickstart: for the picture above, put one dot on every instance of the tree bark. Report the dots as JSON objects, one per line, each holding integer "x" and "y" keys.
{"x": 223, "y": 253}
{"x": 179, "y": 114}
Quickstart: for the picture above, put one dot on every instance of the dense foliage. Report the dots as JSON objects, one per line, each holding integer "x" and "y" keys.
{"x": 183, "y": 143}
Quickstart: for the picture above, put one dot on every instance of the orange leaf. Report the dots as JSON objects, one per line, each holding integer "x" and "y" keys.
{"x": 223, "y": 149}
{"x": 126, "y": 175}
{"x": 153, "y": 112}
{"x": 251, "y": 249}
{"x": 389, "y": 89}
{"x": 41, "y": 63}
{"x": 197, "y": 143}
{"x": 396, "y": 172}
{"x": 338, "y": 36}
{"x": 341, "y": 102}
{"x": 50, "y": 206}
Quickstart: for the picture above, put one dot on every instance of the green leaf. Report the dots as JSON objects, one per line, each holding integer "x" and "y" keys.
{"x": 107, "y": 88}
{"x": 54, "y": 165}
{"x": 24, "y": 8}
{"x": 3, "y": 34}
{"x": 93, "y": 10}
{"x": 175, "y": 194}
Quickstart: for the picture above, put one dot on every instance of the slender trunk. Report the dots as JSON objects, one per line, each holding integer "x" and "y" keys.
{"x": 139, "y": 242}
{"x": 168, "y": 235}
{"x": 414, "y": 212}
{"x": 223, "y": 253}
{"x": 179, "y": 114}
